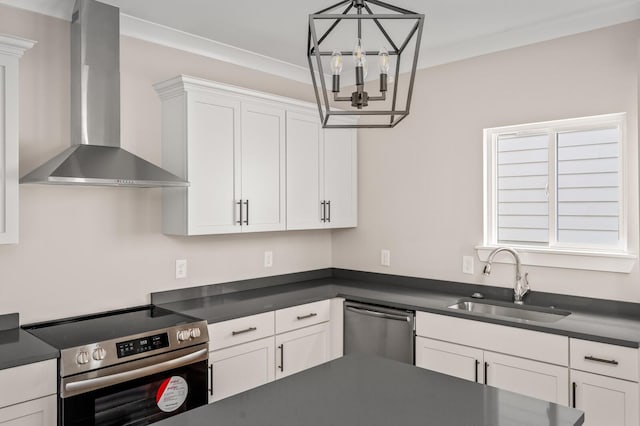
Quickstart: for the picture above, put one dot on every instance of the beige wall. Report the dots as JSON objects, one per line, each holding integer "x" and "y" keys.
{"x": 421, "y": 183}
{"x": 86, "y": 249}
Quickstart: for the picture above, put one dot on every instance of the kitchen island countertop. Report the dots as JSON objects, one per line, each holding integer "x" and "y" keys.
{"x": 363, "y": 390}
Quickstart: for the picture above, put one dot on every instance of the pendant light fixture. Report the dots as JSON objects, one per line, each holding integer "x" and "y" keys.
{"x": 344, "y": 29}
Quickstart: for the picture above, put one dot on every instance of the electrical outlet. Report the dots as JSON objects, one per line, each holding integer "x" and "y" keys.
{"x": 467, "y": 264}
{"x": 181, "y": 268}
{"x": 268, "y": 259}
{"x": 385, "y": 257}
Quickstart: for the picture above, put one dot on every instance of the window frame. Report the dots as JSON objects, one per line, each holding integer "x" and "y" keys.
{"x": 555, "y": 254}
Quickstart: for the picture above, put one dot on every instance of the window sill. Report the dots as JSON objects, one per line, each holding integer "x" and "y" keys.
{"x": 590, "y": 261}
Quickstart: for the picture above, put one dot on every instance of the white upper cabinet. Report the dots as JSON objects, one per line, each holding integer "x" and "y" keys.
{"x": 262, "y": 158}
{"x": 231, "y": 149}
{"x": 321, "y": 174}
{"x": 254, "y": 161}
{"x": 11, "y": 49}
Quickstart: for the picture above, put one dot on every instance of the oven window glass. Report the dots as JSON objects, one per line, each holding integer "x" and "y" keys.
{"x": 141, "y": 401}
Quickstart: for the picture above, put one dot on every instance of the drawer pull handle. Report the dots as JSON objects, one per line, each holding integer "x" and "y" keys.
{"x": 246, "y": 330}
{"x": 311, "y": 315}
{"x": 606, "y": 361}
{"x": 281, "y": 366}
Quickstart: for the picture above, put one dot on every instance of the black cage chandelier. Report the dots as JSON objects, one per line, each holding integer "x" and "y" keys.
{"x": 398, "y": 31}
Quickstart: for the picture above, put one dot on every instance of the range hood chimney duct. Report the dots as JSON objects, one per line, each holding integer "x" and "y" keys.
{"x": 95, "y": 156}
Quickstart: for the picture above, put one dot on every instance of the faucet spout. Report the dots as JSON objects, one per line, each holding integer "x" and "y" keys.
{"x": 521, "y": 285}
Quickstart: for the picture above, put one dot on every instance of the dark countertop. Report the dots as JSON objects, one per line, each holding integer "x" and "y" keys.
{"x": 17, "y": 347}
{"x": 363, "y": 390}
{"x": 591, "y": 319}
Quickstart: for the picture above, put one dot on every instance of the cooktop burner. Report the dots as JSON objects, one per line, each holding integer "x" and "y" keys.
{"x": 79, "y": 331}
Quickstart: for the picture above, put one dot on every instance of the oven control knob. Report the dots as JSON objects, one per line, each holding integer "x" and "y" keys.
{"x": 82, "y": 357}
{"x": 183, "y": 335}
{"x": 99, "y": 353}
{"x": 195, "y": 333}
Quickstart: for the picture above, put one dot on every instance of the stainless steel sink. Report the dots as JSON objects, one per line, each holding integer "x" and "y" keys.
{"x": 523, "y": 313}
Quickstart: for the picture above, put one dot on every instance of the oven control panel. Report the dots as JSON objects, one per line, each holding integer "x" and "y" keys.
{"x": 143, "y": 344}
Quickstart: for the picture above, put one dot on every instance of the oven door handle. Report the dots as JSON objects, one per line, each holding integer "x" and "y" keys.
{"x": 89, "y": 385}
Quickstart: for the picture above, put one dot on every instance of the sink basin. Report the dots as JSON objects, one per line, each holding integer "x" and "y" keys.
{"x": 500, "y": 309}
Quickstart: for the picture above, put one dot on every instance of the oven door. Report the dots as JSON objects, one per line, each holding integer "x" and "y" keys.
{"x": 138, "y": 392}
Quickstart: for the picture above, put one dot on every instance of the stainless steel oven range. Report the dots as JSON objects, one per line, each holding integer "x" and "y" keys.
{"x": 128, "y": 367}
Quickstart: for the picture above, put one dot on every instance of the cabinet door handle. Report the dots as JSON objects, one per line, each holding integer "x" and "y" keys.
{"x": 329, "y": 209}
{"x": 324, "y": 211}
{"x": 246, "y": 330}
{"x": 574, "y": 385}
{"x": 281, "y": 366}
{"x": 239, "y": 203}
{"x": 486, "y": 369}
{"x": 311, "y": 315}
{"x": 211, "y": 379}
{"x": 606, "y": 361}
{"x": 246, "y": 219}
{"x": 477, "y": 364}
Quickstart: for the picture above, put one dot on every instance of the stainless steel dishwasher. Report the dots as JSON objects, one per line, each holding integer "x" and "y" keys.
{"x": 378, "y": 330}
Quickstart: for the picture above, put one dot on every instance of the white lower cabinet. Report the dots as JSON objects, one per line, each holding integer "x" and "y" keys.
{"x": 604, "y": 383}
{"x": 448, "y": 358}
{"x": 301, "y": 349}
{"x": 523, "y": 361}
{"x": 250, "y": 351}
{"x": 240, "y": 368}
{"x": 524, "y": 376}
{"x": 605, "y": 400}
{"x": 532, "y": 378}
{"x": 37, "y": 412}
{"x": 29, "y": 397}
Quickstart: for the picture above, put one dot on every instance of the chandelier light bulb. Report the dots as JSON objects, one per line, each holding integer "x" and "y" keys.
{"x": 383, "y": 61}
{"x": 359, "y": 55}
{"x": 336, "y": 62}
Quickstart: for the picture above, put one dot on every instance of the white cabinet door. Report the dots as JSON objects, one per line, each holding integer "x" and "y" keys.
{"x": 301, "y": 349}
{"x": 212, "y": 158}
{"x": 532, "y": 378}
{"x": 448, "y": 358}
{"x": 304, "y": 163}
{"x": 240, "y": 368}
{"x": 604, "y": 400}
{"x": 37, "y": 412}
{"x": 340, "y": 177}
{"x": 263, "y": 167}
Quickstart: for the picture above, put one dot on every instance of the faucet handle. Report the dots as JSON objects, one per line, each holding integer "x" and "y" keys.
{"x": 525, "y": 281}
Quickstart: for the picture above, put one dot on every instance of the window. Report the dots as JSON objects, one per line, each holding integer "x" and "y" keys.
{"x": 558, "y": 187}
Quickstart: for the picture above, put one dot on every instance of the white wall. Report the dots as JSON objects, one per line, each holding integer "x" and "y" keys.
{"x": 421, "y": 183}
{"x": 87, "y": 249}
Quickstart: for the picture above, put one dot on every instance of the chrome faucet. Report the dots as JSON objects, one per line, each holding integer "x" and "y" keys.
{"x": 521, "y": 286}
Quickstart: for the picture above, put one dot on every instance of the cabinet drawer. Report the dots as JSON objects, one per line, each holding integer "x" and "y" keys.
{"x": 240, "y": 330}
{"x": 28, "y": 382}
{"x": 605, "y": 359}
{"x": 302, "y": 315}
{"x": 536, "y": 345}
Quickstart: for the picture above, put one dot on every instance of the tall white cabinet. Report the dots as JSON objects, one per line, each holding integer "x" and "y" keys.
{"x": 11, "y": 50}
{"x": 254, "y": 161}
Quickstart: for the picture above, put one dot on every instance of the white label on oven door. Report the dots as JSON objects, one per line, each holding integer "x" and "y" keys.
{"x": 172, "y": 394}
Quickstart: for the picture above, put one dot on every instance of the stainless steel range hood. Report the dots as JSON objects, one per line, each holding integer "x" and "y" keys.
{"x": 95, "y": 156}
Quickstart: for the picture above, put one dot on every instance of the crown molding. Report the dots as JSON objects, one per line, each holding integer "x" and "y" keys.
{"x": 155, "y": 33}
{"x": 539, "y": 32}
{"x": 14, "y": 46}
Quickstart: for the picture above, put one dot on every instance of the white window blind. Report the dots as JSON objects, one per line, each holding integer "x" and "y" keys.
{"x": 523, "y": 207}
{"x": 588, "y": 187}
{"x": 557, "y": 184}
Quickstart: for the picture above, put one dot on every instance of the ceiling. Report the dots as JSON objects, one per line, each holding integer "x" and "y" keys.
{"x": 275, "y": 31}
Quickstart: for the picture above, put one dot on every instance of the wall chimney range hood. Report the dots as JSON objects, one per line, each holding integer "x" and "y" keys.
{"x": 95, "y": 156}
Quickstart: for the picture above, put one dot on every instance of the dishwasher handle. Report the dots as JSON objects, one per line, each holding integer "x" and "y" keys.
{"x": 404, "y": 318}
